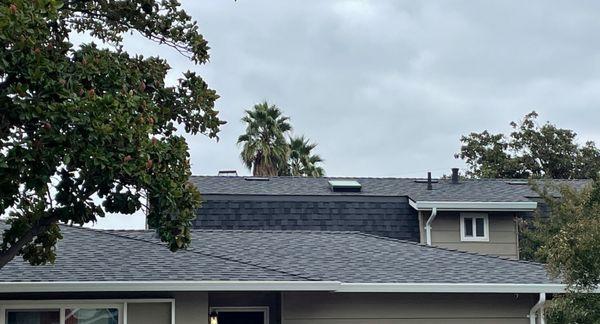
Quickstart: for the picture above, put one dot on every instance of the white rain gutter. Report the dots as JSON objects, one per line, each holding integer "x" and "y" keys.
{"x": 451, "y": 288}
{"x": 329, "y": 286}
{"x": 539, "y": 306}
{"x": 474, "y": 205}
{"x": 428, "y": 224}
{"x": 123, "y": 286}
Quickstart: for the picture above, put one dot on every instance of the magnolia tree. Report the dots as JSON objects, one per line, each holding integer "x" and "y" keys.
{"x": 82, "y": 123}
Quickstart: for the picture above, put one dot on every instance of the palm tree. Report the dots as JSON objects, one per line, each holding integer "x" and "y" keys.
{"x": 265, "y": 150}
{"x": 312, "y": 169}
{"x": 301, "y": 161}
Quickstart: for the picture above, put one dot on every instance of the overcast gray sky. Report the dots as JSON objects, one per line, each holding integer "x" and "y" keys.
{"x": 387, "y": 87}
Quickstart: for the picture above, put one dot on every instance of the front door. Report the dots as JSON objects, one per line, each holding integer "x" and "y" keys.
{"x": 242, "y": 315}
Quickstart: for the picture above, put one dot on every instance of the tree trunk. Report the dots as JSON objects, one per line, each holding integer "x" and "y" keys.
{"x": 7, "y": 255}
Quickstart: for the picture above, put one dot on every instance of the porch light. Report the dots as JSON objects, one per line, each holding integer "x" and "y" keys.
{"x": 213, "y": 318}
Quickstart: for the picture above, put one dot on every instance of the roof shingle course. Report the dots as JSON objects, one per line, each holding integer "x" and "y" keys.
{"x": 355, "y": 257}
{"x": 93, "y": 255}
{"x": 473, "y": 190}
{"x": 350, "y": 257}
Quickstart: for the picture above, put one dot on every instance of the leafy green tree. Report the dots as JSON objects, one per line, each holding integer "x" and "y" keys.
{"x": 568, "y": 241}
{"x": 530, "y": 150}
{"x": 302, "y": 162}
{"x": 265, "y": 150}
{"x": 545, "y": 225}
{"x": 587, "y": 162}
{"x": 78, "y": 123}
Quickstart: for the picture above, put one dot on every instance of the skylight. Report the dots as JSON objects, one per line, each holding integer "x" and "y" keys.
{"x": 345, "y": 185}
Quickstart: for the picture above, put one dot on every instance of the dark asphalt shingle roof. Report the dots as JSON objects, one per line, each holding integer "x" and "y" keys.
{"x": 351, "y": 257}
{"x": 92, "y": 255}
{"x": 475, "y": 190}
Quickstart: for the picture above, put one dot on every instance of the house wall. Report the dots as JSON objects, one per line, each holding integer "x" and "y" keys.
{"x": 190, "y": 307}
{"x": 322, "y": 307}
{"x": 363, "y": 308}
{"x": 249, "y": 299}
{"x": 445, "y": 233}
{"x": 149, "y": 313}
{"x": 383, "y": 216}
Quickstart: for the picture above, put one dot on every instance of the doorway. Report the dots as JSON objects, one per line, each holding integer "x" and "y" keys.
{"x": 242, "y": 315}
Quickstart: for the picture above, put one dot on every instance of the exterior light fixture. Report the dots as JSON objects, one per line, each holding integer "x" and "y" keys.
{"x": 213, "y": 318}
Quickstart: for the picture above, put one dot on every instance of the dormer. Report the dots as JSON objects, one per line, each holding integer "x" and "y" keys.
{"x": 474, "y": 226}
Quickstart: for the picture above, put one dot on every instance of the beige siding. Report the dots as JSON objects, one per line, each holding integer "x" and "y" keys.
{"x": 503, "y": 241}
{"x": 191, "y": 308}
{"x": 331, "y": 308}
{"x": 149, "y": 313}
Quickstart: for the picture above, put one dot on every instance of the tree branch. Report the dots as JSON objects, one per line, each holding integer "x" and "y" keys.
{"x": 14, "y": 249}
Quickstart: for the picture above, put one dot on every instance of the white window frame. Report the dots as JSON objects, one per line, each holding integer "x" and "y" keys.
{"x": 475, "y": 238}
{"x": 61, "y": 305}
{"x": 258, "y": 309}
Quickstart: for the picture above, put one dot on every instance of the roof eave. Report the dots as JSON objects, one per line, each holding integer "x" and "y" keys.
{"x": 474, "y": 205}
{"x": 452, "y": 288}
{"x": 129, "y": 286}
{"x": 329, "y": 286}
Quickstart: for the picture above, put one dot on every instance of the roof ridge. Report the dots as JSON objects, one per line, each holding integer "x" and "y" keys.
{"x": 105, "y": 232}
{"x": 303, "y": 177}
{"x": 387, "y": 177}
{"x": 110, "y": 231}
{"x": 451, "y": 250}
{"x": 276, "y": 231}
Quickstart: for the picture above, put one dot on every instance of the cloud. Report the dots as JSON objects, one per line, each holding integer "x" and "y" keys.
{"x": 388, "y": 87}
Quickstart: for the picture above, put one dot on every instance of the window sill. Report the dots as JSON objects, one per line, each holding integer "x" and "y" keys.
{"x": 476, "y": 240}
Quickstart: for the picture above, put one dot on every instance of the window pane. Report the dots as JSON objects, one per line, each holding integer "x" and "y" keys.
{"x": 33, "y": 317}
{"x": 479, "y": 228}
{"x": 468, "y": 226}
{"x": 92, "y": 316}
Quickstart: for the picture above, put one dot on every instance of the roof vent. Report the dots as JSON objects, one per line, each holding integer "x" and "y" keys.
{"x": 429, "y": 183}
{"x": 455, "y": 176}
{"x": 227, "y": 173}
{"x": 256, "y": 179}
{"x": 345, "y": 185}
{"x": 425, "y": 181}
{"x": 518, "y": 183}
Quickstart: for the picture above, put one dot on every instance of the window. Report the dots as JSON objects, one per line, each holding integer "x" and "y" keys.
{"x": 474, "y": 227}
{"x": 99, "y": 311}
{"x": 84, "y": 315}
{"x": 92, "y": 316}
{"x": 37, "y": 316}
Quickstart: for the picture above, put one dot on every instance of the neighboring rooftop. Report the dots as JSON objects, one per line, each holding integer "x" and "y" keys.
{"x": 348, "y": 257}
{"x": 479, "y": 190}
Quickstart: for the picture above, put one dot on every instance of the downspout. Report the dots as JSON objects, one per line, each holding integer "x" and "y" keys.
{"x": 538, "y": 306}
{"x": 428, "y": 225}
